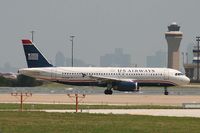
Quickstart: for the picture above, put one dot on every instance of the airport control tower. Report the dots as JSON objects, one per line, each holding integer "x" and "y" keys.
{"x": 173, "y": 37}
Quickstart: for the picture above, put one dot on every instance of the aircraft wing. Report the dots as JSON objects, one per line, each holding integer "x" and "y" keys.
{"x": 110, "y": 79}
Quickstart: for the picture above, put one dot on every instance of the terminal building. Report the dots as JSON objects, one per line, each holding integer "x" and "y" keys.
{"x": 191, "y": 68}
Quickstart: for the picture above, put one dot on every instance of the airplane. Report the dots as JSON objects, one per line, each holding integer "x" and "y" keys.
{"x": 113, "y": 78}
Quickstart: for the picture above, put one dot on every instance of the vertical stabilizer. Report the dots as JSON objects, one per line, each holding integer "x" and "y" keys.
{"x": 34, "y": 58}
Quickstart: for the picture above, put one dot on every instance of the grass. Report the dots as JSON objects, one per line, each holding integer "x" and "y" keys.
{"x": 7, "y": 106}
{"x": 41, "y": 122}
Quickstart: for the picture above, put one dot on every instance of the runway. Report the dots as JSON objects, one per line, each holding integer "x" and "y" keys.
{"x": 60, "y": 89}
{"x": 101, "y": 99}
{"x": 152, "y": 112}
{"x": 95, "y": 96}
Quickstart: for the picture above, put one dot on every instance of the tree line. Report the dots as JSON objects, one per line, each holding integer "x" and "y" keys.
{"x": 21, "y": 81}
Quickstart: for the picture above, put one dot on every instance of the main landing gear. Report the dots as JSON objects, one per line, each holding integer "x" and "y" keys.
{"x": 166, "y": 91}
{"x": 108, "y": 91}
{"x": 137, "y": 87}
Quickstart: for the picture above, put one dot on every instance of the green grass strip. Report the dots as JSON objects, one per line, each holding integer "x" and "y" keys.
{"x": 5, "y": 106}
{"x": 41, "y": 122}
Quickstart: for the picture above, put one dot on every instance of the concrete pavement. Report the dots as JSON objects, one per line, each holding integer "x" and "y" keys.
{"x": 152, "y": 112}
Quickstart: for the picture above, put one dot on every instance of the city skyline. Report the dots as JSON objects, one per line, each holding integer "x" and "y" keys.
{"x": 116, "y": 59}
{"x": 159, "y": 56}
{"x": 159, "y": 59}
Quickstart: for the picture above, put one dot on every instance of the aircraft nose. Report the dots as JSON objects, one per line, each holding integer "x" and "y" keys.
{"x": 186, "y": 80}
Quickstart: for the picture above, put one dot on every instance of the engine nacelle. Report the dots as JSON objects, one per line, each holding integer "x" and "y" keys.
{"x": 125, "y": 86}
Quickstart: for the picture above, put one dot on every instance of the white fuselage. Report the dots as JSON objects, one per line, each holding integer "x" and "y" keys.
{"x": 83, "y": 75}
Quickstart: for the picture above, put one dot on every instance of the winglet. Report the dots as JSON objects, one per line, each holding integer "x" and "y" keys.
{"x": 26, "y": 42}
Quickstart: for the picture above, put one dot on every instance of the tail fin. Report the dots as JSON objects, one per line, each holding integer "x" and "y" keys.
{"x": 34, "y": 58}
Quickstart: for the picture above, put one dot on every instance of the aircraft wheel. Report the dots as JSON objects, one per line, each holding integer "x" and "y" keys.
{"x": 138, "y": 89}
{"x": 166, "y": 93}
{"x": 108, "y": 92}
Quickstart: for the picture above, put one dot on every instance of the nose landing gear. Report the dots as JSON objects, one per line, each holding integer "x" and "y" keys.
{"x": 166, "y": 91}
{"x": 108, "y": 91}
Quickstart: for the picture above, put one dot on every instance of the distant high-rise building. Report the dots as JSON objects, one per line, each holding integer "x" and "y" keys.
{"x": 189, "y": 55}
{"x": 116, "y": 59}
{"x": 157, "y": 60}
{"x": 60, "y": 59}
{"x": 173, "y": 37}
{"x": 77, "y": 63}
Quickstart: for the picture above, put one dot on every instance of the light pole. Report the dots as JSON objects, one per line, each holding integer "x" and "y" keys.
{"x": 186, "y": 57}
{"x": 198, "y": 39}
{"x": 32, "y": 34}
{"x": 72, "y": 40}
{"x": 183, "y": 57}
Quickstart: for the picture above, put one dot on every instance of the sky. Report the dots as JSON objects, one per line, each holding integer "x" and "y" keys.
{"x": 99, "y": 26}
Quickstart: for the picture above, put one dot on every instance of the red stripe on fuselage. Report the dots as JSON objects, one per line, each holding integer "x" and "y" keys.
{"x": 155, "y": 81}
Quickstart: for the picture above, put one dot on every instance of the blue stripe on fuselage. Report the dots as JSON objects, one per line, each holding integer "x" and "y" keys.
{"x": 104, "y": 84}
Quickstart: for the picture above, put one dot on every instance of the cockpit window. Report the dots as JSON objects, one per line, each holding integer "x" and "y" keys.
{"x": 178, "y": 74}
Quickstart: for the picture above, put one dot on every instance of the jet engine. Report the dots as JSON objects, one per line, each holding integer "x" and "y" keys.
{"x": 125, "y": 86}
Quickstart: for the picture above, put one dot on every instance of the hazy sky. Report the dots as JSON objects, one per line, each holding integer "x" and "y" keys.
{"x": 100, "y": 26}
